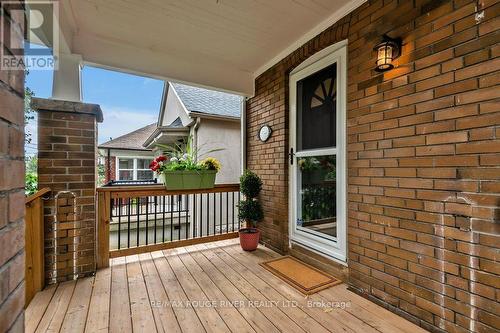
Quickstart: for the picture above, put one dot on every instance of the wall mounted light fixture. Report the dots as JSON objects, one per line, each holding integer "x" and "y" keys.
{"x": 387, "y": 50}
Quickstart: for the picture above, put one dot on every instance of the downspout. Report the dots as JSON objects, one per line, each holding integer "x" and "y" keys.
{"x": 195, "y": 134}
{"x": 243, "y": 125}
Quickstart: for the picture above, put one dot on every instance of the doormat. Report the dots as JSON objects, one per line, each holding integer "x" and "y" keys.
{"x": 303, "y": 277}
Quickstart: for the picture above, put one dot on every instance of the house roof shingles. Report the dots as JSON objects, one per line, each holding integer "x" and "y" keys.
{"x": 177, "y": 123}
{"x": 195, "y": 99}
{"x": 132, "y": 140}
{"x": 208, "y": 101}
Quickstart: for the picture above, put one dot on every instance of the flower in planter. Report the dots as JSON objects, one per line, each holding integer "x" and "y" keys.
{"x": 182, "y": 170}
{"x": 158, "y": 163}
{"x": 211, "y": 163}
{"x": 183, "y": 157}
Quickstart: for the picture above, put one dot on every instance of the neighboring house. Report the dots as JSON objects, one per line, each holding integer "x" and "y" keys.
{"x": 125, "y": 158}
{"x": 210, "y": 118}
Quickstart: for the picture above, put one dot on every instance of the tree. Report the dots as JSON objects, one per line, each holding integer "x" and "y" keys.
{"x": 31, "y": 162}
{"x": 29, "y": 112}
{"x": 31, "y": 175}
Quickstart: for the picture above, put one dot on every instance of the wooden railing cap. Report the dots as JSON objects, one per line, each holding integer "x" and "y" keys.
{"x": 145, "y": 190}
{"x": 38, "y": 194}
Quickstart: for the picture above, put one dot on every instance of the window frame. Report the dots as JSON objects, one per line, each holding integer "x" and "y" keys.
{"x": 136, "y": 169}
{"x": 135, "y": 164}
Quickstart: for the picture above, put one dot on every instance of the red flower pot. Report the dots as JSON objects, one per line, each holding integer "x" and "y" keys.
{"x": 249, "y": 238}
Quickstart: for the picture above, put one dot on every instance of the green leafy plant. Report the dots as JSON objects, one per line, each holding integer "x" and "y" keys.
{"x": 31, "y": 175}
{"x": 250, "y": 184}
{"x": 181, "y": 157}
{"x": 31, "y": 184}
{"x": 29, "y": 112}
{"x": 250, "y": 209}
{"x": 31, "y": 162}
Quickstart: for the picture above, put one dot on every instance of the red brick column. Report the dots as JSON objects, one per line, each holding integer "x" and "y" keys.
{"x": 11, "y": 189}
{"x": 110, "y": 167}
{"x": 67, "y": 155}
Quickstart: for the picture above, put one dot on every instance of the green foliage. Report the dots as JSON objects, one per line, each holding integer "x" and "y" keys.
{"x": 185, "y": 157}
{"x": 31, "y": 175}
{"x": 250, "y": 184}
{"x": 317, "y": 202}
{"x": 29, "y": 113}
{"x": 250, "y": 210}
{"x": 101, "y": 174}
{"x": 318, "y": 187}
{"x": 31, "y": 163}
{"x": 31, "y": 183}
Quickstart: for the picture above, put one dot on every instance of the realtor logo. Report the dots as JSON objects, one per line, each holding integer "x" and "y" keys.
{"x": 41, "y": 35}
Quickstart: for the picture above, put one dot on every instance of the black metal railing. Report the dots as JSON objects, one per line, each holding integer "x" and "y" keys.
{"x": 140, "y": 217}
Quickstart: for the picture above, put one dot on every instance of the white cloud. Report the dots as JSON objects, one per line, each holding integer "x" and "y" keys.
{"x": 119, "y": 121}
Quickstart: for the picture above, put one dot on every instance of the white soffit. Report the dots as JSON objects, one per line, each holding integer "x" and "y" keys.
{"x": 222, "y": 44}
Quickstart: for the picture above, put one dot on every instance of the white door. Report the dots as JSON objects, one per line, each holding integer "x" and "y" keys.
{"x": 317, "y": 153}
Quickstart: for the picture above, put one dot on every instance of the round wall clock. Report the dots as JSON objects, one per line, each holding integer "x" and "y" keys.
{"x": 265, "y": 133}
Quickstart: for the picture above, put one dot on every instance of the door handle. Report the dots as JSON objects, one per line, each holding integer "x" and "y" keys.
{"x": 291, "y": 155}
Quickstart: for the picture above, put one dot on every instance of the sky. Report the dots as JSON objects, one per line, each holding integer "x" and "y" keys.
{"x": 128, "y": 101}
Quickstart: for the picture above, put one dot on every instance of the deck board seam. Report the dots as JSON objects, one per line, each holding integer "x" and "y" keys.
{"x": 184, "y": 290}
{"x": 199, "y": 251}
{"x": 268, "y": 285}
{"x": 188, "y": 253}
{"x": 266, "y": 297}
{"x": 216, "y": 267}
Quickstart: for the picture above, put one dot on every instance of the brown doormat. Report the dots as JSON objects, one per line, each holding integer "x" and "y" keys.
{"x": 303, "y": 277}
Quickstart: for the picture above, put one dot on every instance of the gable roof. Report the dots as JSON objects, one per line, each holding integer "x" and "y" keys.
{"x": 177, "y": 123}
{"x": 132, "y": 140}
{"x": 208, "y": 102}
{"x": 174, "y": 128}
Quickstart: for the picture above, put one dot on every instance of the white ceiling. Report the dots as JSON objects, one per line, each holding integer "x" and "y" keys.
{"x": 222, "y": 44}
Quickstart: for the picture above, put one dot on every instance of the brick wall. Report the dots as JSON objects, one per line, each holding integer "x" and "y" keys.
{"x": 110, "y": 168}
{"x": 423, "y": 159}
{"x": 11, "y": 189}
{"x": 67, "y": 140}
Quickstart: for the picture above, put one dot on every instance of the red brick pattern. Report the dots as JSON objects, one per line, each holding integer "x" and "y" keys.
{"x": 423, "y": 159}
{"x": 110, "y": 168}
{"x": 67, "y": 142}
{"x": 11, "y": 190}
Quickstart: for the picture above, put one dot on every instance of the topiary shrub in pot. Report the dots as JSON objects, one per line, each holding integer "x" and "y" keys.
{"x": 250, "y": 210}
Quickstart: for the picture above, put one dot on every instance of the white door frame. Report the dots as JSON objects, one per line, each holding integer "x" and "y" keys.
{"x": 333, "y": 248}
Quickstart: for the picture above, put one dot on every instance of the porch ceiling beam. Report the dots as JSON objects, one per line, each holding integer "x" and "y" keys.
{"x": 186, "y": 68}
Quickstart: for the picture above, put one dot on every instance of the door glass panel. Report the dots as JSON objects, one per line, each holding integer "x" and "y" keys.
{"x": 316, "y": 181}
{"x": 317, "y": 110}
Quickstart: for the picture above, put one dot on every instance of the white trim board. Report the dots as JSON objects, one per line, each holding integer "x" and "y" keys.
{"x": 322, "y": 26}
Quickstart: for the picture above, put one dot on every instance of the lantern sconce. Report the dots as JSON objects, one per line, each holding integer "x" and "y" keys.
{"x": 387, "y": 50}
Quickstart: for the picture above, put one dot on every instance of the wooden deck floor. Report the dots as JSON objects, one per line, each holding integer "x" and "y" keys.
{"x": 213, "y": 287}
